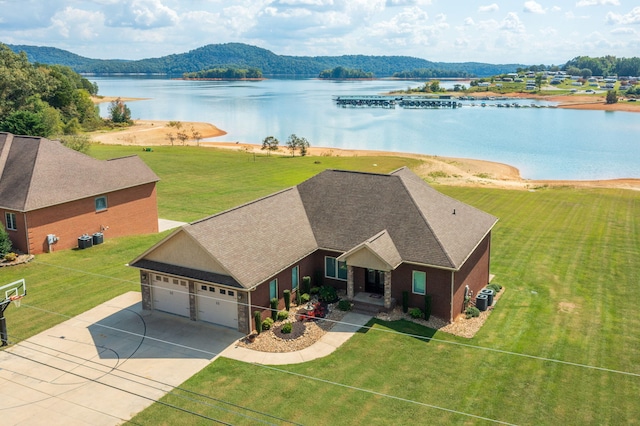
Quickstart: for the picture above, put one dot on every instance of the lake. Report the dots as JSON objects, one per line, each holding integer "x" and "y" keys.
{"x": 544, "y": 143}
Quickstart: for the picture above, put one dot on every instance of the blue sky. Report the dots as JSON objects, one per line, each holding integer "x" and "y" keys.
{"x": 529, "y": 32}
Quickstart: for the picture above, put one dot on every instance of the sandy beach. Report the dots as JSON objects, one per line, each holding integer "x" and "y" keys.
{"x": 443, "y": 170}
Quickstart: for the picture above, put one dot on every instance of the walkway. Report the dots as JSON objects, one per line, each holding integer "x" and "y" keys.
{"x": 332, "y": 340}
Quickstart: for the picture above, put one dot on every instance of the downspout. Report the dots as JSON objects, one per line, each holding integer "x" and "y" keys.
{"x": 451, "y": 302}
{"x": 249, "y": 314}
{"x": 26, "y": 232}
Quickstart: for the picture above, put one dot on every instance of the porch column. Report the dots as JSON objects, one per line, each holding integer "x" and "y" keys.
{"x": 350, "y": 292}
{"x": 387, "y": 289}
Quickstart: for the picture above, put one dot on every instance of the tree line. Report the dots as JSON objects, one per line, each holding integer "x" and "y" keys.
{"x": 342, "y": 72}
{"x": 244, "y": 56}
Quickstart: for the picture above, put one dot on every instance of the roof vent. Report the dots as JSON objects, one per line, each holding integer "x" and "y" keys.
{"x": 454, "y": 211}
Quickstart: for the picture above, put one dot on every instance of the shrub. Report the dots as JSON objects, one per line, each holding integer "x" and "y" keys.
{"x": 286, "y": 328}
{"x": 287, "y": 299}
{"x": 5, "y": 241}
{"x": 327, "y": 294}
{"x": 306, "y": 284}
{"x": 344, "y": 305}
{"x": 257, "y": 318}
{"x": 405, "y": 301}
{"x": 314, "y": 290}
{"x": 495, "y": 287}
{"x": 415, "y": 313}
{"x": 298, "y": 298}
{"x": 305, "y": 298}
{"x": 427, "y": 307}
{"x": 274, "y": 308}
{"x": 10, "y": 257}
{"x": 472, "y": 312}
{"x": 283, "y": 315}
{"x": 267, "y": 323}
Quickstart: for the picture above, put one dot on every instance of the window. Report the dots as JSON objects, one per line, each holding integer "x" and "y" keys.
{"x": 11, "y": 221}
{"x": 230, "y": 293}
{"x": 419, "y": 282}
{"x": 335, "y": 269}
{"x": 223, "y": 291}
{"x": 212, "y": 289}
{"x": 101, "y": 204}
{"x": 295, "y": 277}
{"x": 203, "y": 287}
{"x": 273, "y": 289}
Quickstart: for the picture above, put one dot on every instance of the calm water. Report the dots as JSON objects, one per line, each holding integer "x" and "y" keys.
{"x": 544, "y": 143}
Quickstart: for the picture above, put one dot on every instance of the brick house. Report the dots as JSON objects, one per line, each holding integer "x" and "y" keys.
{"x": 362, "y": 233}
{"x": 49, "y": 189}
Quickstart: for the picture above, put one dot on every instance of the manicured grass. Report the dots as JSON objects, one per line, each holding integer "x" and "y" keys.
{"x": 568, "y": 259}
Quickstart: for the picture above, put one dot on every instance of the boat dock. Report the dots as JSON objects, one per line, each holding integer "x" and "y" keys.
{"x": 379, "y": 101}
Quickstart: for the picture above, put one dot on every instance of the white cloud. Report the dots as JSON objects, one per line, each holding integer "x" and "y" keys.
{"x": 624, "y": 31}
{"x": 142, "y": 14}
{"x": 630, "y": 18}
{"x": 533, "y": 7}
{"x": 583, "y": 3}
{"x": 493, "y": 7}
{"x": 512, "y": 23}
{"x": 556, "y": 9}
{"x": 78, "y": 24}
{"x": 469, "y": 22}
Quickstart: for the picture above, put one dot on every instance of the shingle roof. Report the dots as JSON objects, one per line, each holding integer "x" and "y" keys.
{"x": 397, "y": 216}
{"x": 36, "y": 173}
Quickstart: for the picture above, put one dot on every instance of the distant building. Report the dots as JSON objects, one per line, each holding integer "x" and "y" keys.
{"x": 50, "y": 195}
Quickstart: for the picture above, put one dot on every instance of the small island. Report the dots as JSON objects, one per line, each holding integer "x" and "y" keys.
{"x": 342, "y": 73}
{"x": 225, "y": 73}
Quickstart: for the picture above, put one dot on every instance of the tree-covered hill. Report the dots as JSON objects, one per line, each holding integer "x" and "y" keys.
{"x": 238, "y": 55}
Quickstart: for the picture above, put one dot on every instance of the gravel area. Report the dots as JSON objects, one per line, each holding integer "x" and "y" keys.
{"x": 303, "y": 333}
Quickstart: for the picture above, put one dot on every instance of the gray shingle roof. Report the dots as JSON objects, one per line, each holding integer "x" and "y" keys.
{"x": 36, "y": 173}
{"x": 397, "y": 216}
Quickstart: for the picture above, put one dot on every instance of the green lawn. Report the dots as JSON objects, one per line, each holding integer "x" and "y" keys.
{"x": 568, "y": 258}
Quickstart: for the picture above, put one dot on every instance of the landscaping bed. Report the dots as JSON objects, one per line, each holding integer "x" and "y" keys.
{"x": 303, "y": 333}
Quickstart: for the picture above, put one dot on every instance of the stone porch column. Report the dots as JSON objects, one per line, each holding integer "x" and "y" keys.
{"x": 350, "y": 292}
{"x": 387, "y": 289}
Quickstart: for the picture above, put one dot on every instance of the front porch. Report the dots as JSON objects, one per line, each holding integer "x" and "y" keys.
{"x": 370, "y": 303}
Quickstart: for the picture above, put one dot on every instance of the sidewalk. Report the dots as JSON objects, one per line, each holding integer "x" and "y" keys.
{"x": 328, "y": 343}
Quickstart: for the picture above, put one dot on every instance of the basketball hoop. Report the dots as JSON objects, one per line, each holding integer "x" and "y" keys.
{"x": 16, "y": 299}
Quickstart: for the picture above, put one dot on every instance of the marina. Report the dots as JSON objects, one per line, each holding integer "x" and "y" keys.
{"x": 422, "y": 102}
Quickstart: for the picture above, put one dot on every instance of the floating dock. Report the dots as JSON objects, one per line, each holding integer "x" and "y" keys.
{"x": 373, "y": 101}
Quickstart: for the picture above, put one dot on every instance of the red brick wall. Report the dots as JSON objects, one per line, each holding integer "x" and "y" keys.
{"x": 474, "y": 273}
{"x": 19, "y": 236}
{"x": 438, "y": 286}
{"x": 129, "y": 211}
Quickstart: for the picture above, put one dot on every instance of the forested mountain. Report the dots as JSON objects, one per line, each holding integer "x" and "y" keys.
{"x": 238, "y": 55}
{"x": 606, "y": 65}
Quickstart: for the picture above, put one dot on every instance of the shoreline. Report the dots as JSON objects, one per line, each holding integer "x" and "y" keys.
{"x": 435, "y": 169}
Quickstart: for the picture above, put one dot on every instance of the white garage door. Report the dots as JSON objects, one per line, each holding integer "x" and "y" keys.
{"x": 170, "y": 295}
{"x": 217, "y": 305}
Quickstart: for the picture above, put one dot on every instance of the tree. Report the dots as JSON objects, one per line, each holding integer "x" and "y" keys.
{"x": 294, "y": 143}
{"x": 119, "y": 112}
{"x": 434, "y": 86}
{"x": 539, "y": 79}
{"x": 182, "y": 137}
{"x": 5, "y": 242}
{"x": 270, "y": 143}
{"x": 612, "y": 96}
{"x": 196, "y": 135}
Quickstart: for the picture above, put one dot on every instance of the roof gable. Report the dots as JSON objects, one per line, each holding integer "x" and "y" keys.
{"x": 40, "y": 173}
{"x": 378, "y": 252}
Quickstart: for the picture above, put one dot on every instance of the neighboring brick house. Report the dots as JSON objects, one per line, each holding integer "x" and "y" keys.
{"x": 381, "y": 234}
{"x": 49, "y": 189}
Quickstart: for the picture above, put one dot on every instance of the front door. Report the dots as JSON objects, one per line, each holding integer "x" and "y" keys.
{"x": 374, "y": 281}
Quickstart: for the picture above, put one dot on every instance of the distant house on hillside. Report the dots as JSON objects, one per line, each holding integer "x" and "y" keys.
{"x": 49, "y": 193}
{"x": 367, "y": 234}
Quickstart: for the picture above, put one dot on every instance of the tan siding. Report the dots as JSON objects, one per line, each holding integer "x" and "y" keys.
{"x": 182, "y": 250}
{"x": 363, "y": 258}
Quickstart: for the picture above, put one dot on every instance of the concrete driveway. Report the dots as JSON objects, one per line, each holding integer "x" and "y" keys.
{"x": 86, "y": 371}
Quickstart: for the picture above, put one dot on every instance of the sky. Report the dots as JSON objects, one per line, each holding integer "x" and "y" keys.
{"x": 529, "y": 32}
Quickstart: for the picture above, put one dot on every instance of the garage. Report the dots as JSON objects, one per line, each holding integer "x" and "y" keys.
{"x": 217, "y": 305}
{"x": 170, "y": 295}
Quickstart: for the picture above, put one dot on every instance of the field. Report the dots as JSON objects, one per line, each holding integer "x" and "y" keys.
{"x": 561, "y": 347}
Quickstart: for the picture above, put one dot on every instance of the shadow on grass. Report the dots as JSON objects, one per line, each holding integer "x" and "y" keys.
{"x": 407, "y": 328}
